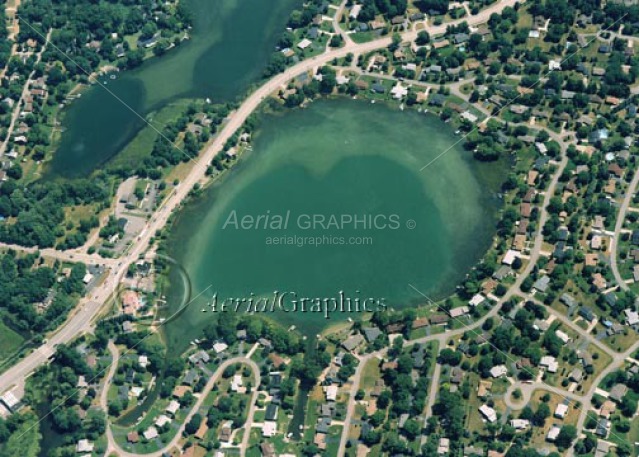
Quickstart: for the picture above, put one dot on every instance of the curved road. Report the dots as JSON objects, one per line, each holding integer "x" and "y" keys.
{"x": 114, "y": 446}
{"x": 621, "y": 217}
{"x": 515, "y": 289}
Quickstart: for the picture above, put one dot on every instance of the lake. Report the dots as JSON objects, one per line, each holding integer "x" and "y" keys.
{"x": 231, "y": 43}
{"x": 310, "y": 170}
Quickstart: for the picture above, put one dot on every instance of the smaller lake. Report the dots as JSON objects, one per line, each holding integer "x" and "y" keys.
{"x": 230, "y": 44}
{"x": 336, "y": 159}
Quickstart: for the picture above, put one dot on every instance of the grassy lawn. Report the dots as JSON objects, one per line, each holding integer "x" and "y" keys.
{"x": 10, "y": 342}
{"x": 370, "y": 374}
{"x": 363, "y": 37}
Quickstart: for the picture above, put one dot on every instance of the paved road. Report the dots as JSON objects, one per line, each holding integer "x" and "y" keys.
{"x": 514, "y": 290}
{"x": 527, "y": 390}
{"x": 621, "y": 217}
{"x": 114, "y": 446}
{"x": 64, "y": 256}
{"x": 336, "y": 25}
{"x": 25, "y": 91}
{"x": 80, "y": 323}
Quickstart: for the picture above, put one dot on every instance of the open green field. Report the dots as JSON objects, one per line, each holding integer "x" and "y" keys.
{"x": 10, "y": 341}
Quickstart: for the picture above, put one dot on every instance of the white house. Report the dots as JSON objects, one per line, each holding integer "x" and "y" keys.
{"x": 269, "y": 429}
{"x": 477, "y": 300}
{"x": 562, "y": 336}
{"x": 489, "y": 413}
{"x": 632, "y": 317}
{"x": 220, "y": 347}
{"x": 331, "y": 393}
{"x": 550, "y": 363}
{"x": 561, "y": 411}
{"x": 498, "y": 371}
{"x": 520, "y": 424}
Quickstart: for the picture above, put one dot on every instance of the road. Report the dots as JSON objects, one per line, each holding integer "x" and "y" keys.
{"x": 64, "y": 256}
{"x": 113, "y": 446}
{"x": 25, "y": 91}
{"x": 621, "y": 217}
{"x": 514, "y": 290}
{"x": 83, "y": 321}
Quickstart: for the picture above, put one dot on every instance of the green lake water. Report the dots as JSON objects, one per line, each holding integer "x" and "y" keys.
{"x": 337, "y": 157}
{"x": 230, "y": 44}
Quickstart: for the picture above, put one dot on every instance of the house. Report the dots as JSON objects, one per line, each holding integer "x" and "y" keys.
{"x": 225, "y": 434}
{"x": 84, "y": 447}
{"x": 502, "y": 272}
{"x": 162, "y": 420}
{"x": 498, "y": 371}
{"x": 269, "y": 429}
{"x": 561, "y": 410}
{"x": 420, "y": 322}
{"x": 568, "y": 300}
{"x": 607, "y": 409}
{"x": 323, "y": 425}
{"x": 237, "y": 384}
{"x": 542, "y": 284}
{"x": 456, "y": 376}
{"x": 632, "y": 317}
{"x": 150, "y": 433}
{"x": 586, "y": 359}
{"x": 520, "y": 424}
{"x": 510, "y": 257}
{"x": 371, "y": 333}
{"x": 603, "y": 448}
{"x": 617, "y": 392}
{"x": 200, "y": 356}
{"x": 173, "y": 407}
{"x": 549, "y": 363}
{"x": 483, "y": 389}
{"x": 562, "y": 336}
{"x": 438, "y": 100}
{"x": 190, "y": 378}
{"x": 460, "y": 38}
{"x": 444, "y": 446}
{"x": 459, "y": 311}
{"x": 352, "y": 342}
{"x": 489, "y": 413}
{"x": 587, "y": 313}
{"x": 220, "y": 347}
{"x": 471, "y": 451}
{"x": 330, "y": 392}
{"x": 576, "y": 375}
{"x": 477, "y": 300}
{"x": 271, "y": 412}
{"x": 143, "y": 361}
{"x": 439, "y": 319}
{"x": 603, "y": 426}
{"x": 267, "y": 449}
{"x": 133, "y": 437}
{"x": 553, "y": 433}
{"x": 305, "y": 43}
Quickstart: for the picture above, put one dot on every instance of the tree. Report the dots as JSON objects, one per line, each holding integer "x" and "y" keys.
{"x": 422, "y": 38}
{"x": 540, "y": 416}
{"x": 194, "y": 424}
{"x": 566, "y": 436}
{"x": 411, "y": 429}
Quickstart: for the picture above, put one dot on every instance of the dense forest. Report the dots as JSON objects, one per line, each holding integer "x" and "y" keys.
{"x": 25, "y": 282}
{"x": 79, "y": 22}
